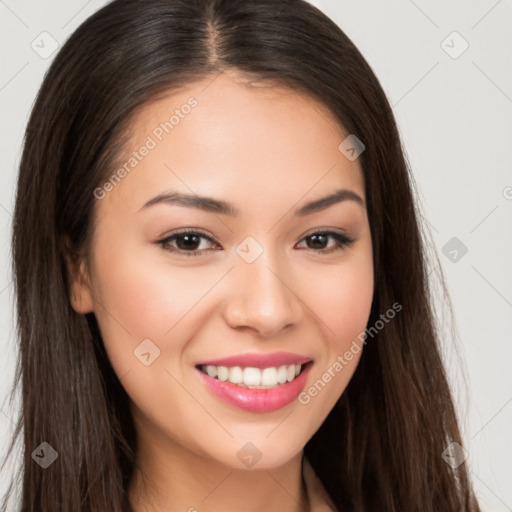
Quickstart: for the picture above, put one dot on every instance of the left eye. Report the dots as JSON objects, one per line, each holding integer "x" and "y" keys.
{"x": 321, "y": 237}
{"x": 189, "y": 242}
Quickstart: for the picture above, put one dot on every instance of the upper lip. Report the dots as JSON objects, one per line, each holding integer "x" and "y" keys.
{"x": 254, "y": 360}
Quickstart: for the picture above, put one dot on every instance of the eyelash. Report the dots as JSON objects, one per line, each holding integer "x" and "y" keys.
{"x": 343, "y": 241}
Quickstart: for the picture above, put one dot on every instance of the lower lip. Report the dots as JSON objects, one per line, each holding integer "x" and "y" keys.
{"x": 257, "y": 400}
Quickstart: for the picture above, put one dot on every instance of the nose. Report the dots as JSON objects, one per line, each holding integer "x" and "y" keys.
{"x": 262, "y": 298}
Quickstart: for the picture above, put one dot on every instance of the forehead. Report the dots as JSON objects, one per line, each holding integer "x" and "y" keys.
{"x": 249, "y": 145}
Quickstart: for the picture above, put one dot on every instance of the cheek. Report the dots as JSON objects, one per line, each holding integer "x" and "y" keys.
{"x": 342, "y": 301}
{"x": 341, "y": 298}
{"x": 137, "y": 299}
{"x": 350, "y": 304}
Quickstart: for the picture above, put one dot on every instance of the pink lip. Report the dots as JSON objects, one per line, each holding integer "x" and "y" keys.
{"x": 258, "y": 360}
{"x": 257, "y": 400}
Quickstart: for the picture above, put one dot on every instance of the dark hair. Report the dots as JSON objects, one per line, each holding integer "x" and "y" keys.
{"x": 381, "y": 446}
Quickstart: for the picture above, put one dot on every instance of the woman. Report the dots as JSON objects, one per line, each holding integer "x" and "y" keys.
{"x": 293, "y": 363}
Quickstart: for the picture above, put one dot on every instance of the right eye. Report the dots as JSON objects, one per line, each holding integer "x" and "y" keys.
{"x": 186, "y": 242}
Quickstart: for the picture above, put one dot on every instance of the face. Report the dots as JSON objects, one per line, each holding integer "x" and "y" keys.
{"x": 250, "y": 271}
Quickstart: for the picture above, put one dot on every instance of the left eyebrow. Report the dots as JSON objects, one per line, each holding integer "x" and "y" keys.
{"x": 212, "y": 205}
{"x": 325, "y": 202}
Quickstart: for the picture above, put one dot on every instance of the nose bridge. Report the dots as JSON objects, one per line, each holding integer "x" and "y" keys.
{"x": 262, "y": 298}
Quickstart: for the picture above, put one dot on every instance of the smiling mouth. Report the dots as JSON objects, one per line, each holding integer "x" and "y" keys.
{"x": 255, "y": 378}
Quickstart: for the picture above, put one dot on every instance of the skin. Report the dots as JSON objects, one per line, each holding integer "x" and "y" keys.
{"x": 267, "y": 151}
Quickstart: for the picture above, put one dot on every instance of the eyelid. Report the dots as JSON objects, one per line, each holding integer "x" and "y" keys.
{"x": 325, "y": 229}
{"x": 188, "y": 230}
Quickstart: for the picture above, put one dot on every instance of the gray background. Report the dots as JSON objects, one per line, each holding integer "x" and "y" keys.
{"x": 454, "y": 114}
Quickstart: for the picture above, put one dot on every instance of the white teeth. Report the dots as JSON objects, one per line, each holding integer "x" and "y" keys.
{"x": 282, "y": 374}
{"x": 269, "y": 377}
{"x": 211, "y": 370}
{"x": 254, "y": 377}
{"x": 236, "y": 375}
{"x": 222, "y": 373}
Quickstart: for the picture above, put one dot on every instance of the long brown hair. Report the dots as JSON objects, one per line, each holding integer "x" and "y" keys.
{"x": 380, "y": 448}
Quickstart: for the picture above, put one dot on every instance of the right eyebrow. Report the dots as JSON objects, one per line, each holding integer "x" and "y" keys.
{"x": 207, "y": 204}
